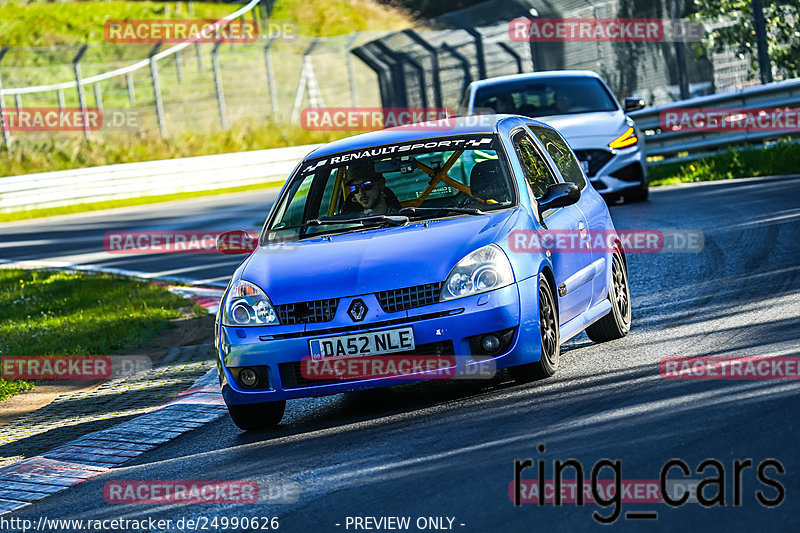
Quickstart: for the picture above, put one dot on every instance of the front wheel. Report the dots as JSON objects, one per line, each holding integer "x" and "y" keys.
{"x": 550, "y": 341}
{"x": 639, "y": 194}
{"x": 257, "y": 415}
{"x": 617, "y": 323}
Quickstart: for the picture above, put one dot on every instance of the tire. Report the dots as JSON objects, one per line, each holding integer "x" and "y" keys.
{"x": 257, "y": 415}
{"x": 639, "y": 194}
{"x": 617, "y": 323}
{"x": 549, "y": 338}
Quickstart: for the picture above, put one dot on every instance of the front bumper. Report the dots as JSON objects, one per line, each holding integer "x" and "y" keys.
{"x": 617, "y": 170}
{"x": 443, "y": 328}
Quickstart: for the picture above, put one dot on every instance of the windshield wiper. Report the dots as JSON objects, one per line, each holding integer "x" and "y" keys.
{"x": 389, "y": 219}
{"x": 464, "y": 210}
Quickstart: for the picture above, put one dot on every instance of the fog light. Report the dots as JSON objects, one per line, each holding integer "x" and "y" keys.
{"x": 248, "y": 377}
{"x": 490, "y": 343}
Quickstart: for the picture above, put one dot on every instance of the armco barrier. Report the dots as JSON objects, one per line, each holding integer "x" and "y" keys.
{"x": 659, "y": 143}
{"x": 149, "y": 178}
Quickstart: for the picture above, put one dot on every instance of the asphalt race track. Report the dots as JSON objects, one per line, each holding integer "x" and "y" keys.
{"x": 447, "y": 449}
{"x": 78, "y": 239}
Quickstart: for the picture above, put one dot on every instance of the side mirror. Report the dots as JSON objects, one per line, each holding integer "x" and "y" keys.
{"x": 558, "y": 195}
{"x": 237, "y": 242}
{"x": 633, "y": 104}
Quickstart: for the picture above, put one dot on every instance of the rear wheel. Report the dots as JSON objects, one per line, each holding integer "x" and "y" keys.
{"x": 617, "y": 323}
{"x": 257, "y": 415}
{"x": 547, "y": 365}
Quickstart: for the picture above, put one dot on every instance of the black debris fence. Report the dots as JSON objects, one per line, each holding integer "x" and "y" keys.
{"x": 432, "y": 63}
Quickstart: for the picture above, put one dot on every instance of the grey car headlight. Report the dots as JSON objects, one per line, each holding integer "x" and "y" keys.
{"x": 247, "y": 305}
{"x": 485, "y": 269}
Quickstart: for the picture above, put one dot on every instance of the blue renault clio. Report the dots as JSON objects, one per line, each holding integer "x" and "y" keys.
{"x": 416, "y": 241}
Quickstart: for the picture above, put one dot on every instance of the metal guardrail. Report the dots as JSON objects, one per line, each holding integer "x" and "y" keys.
{"x": 670, "y": 143}
{"x": 150, "y": 178}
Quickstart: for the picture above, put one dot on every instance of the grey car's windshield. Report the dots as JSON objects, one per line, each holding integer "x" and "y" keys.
{"x": 380, "y": 186}
{"x": 544, "y": 96}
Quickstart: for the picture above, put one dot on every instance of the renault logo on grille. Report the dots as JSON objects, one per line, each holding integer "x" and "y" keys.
{"x": 357, "y": 310}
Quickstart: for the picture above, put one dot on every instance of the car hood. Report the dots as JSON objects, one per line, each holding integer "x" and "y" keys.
{"x": 374, "y": 260}
{"x": 589, "y": 130}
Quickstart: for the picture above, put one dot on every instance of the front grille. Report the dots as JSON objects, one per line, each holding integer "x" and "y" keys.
{"x": 595, "y": 158}
{"x": 292, "y": 375}
{"x": 307, "y": 312}
{"x": 396, "y": 300}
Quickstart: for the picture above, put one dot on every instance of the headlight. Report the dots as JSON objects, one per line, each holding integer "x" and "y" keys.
{"x": 628, "y": 138}
{"x": 247, "y": 305}
{"x": 485, "y": 269}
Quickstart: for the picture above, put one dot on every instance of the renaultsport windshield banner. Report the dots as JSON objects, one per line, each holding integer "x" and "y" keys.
{"x": 472, "y": 142}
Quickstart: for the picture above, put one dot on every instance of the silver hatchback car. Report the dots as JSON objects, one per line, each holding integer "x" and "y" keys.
{"x": 579, "y": 104}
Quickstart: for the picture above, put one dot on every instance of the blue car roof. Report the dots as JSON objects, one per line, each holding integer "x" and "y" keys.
{"x": 456, "y": 126}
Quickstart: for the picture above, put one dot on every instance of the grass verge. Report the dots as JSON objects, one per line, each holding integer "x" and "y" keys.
{"x": 44, "y": 23}
{"x": 775, "y": 160}
{"x": 69, "y": 313}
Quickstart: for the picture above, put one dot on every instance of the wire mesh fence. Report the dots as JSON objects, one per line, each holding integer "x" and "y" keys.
{"x": 204, "y": 87}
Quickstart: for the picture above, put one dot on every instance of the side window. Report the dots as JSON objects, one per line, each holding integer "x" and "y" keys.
{"x": 533, "y": 165}
{"x": 562, "y": 155}
{"x": 293, "y": 210}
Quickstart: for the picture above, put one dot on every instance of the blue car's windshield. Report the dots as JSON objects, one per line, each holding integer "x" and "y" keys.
{"x": 544, "y": 97}
{"x": 429, "y": 178}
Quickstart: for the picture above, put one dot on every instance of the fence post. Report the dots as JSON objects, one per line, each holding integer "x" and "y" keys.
{"x": 98, "y": 97}
{"x": 434, "y": 54}
{"x": 223, "y": 113}
{"x": 3, "y": 128}
{"x": 351, "y": 73}
{"x": 381, "y": 69}
{"x": 162, "y": 125}
{"x": 199, "y": 57}
{"x": 762, "y": 50}
{"x": 680, "y": 54}
{"x": 60, "y": 96}
{"x": 131, "y": 88}
{"x": 477, "y": 38}
{"x": 76, "y": 66}
{"x": 273, "y": 91}
{"x": 517, "y": 58}
{"x": 464, "y": 64}
{"x": 398, "y": 74}
{"x": 179, "y": 67}
{"x": 307, "y": 80}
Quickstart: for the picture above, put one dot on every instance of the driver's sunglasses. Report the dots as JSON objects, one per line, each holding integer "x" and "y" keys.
{"x": 365, "y": 186}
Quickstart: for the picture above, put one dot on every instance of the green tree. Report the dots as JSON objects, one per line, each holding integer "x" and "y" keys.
{"x": 739, "y": 34}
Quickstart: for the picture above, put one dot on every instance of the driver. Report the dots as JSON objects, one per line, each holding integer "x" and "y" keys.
{"x": 367, "y": 191}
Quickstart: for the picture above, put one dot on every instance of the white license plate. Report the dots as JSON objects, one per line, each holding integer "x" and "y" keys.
{"x": 585, "y": 166}
{"x": 360, "y": 344}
